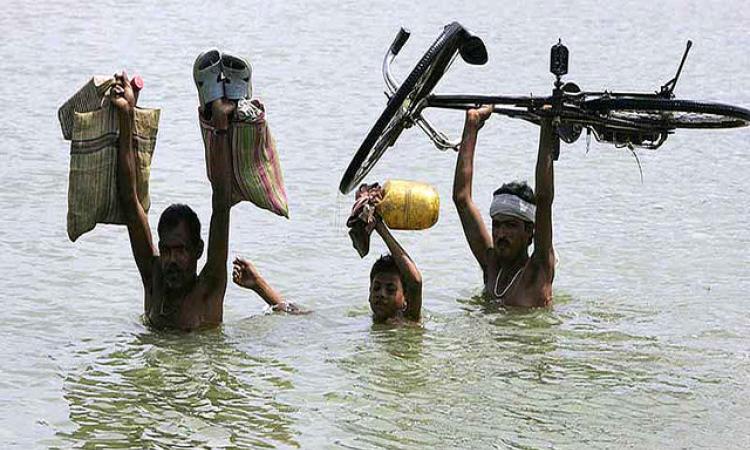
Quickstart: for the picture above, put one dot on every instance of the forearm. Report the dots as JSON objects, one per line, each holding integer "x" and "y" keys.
{"x": 139, "y": 230}
{"x": 463, "y": 177}
{"x": 218, "y": 247}
{"x": 126, "y": 166}
{"x": 221, "y": 182}
{"x": 218, "y": 237}
{"x": 543, "y": 250}
{"x": 268, "y": 293}
{"x": 545, "y": 190}
{"x": 471, "y": 221}
{"x": 403, "y": 261}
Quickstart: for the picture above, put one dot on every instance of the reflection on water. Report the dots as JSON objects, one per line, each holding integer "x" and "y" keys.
{"x": 520, "y": 378}
{"x": 161, "y": 389}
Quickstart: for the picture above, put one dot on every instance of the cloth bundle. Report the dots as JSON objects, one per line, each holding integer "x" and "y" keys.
{"x": 94, "y": 132}
{"x": 361, "y": 221}
{"x": 255, "y": 160}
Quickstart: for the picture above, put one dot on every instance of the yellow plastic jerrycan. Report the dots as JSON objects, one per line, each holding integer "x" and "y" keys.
{"x": 409, "y": 205}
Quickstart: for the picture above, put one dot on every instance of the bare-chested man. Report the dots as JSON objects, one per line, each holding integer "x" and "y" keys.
{"x": 175, "y": 295}
{"x": 518, "y": 219}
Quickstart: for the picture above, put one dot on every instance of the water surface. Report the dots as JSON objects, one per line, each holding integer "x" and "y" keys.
{"x": 646, "y": 346}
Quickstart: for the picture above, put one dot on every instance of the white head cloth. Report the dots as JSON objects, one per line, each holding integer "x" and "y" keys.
{"x": 513, "y": 206}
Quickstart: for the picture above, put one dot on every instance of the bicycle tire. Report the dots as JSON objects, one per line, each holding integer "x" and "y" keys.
{"x": 390, "y": 124}
{"x": 669, "y": 114}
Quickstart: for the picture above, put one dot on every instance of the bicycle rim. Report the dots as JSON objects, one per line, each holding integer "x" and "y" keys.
{"x": 394, "y": 118}
{"x": 668, "y": 114}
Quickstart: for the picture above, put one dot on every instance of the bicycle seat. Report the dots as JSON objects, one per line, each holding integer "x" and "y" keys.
{"x": 472, "y": 49}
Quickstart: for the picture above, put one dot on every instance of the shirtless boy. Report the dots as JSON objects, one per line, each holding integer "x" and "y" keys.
{"x": 395, "y": 283}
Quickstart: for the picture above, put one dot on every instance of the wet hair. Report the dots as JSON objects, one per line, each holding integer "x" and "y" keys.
{"x": 176, "y": 213}
{"x": 385, "y": 264}
{"x": 518, "y": 188}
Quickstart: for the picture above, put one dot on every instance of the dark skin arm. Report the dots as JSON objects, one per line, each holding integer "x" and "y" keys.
{"x": 409, "y": 273}
{"x": 479, "y": 239}
{"x": 124, "y": 98}
{"x": 544, "y": 255}
{"x": 214, "y": 273}
{"x": 246, "y": 275}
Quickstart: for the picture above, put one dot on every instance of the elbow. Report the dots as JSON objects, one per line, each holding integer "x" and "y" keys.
{"x": 544, "y": 198}
{"x": 133, "y": 211}
{"x": 416, "y": 278}
{"x": 461, "y": 199}
{"x": 221, "y": 199}
{"x": 131, "y": 216}
{"x": 129, "y": 205}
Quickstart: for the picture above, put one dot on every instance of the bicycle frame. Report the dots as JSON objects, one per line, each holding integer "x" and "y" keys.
{"x": 622, "y": 119}
{"x": 531, "y": 109}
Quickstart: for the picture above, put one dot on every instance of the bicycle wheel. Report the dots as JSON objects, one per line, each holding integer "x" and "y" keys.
{"x": 397, "y": 113}
{"x": 668, "y": 114}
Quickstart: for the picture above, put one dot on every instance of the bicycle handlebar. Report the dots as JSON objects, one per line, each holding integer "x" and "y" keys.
{"x": 401, "y": 38}
{"x": 395, "y": 47}
{"x": 439, "y": 138}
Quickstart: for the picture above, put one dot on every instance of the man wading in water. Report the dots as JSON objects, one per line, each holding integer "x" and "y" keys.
{"x": 175, "y": 296}
{"x": 518, "y": 219}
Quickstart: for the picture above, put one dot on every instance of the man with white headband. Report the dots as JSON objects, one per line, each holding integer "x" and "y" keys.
{"x": 519, "y": 218}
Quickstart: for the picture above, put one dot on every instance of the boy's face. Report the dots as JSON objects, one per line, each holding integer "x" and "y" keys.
{"x": 386, "y": 295}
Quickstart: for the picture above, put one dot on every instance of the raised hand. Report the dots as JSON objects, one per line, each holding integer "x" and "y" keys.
{"x": 122, "y": 94}
{"x": 478, "y": 116}
{"x": 245, "y": 274}
{"x": 222, "y": 110}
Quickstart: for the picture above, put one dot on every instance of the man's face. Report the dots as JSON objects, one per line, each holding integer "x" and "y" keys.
{"x": 510, "y": 236}
{"x": 178, "y": 256}
{"x": 386, "y": 295}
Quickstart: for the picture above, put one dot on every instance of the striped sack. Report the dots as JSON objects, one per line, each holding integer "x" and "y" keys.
{"x": 88, "y": 98}
{"x": 255, "y": 163}
{"x": 92, "y": 184}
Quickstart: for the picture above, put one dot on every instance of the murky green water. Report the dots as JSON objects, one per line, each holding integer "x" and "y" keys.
{"x": 646, "y": 346}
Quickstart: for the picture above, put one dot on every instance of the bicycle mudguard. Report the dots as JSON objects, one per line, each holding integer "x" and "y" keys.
{"x": 472, "y": 49}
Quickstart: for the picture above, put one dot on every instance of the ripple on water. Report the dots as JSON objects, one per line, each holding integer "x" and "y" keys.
{"x": 158, "y": 389}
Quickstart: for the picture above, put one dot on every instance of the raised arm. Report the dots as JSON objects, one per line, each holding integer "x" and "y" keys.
{"x": 409, "y": 273}
{"x": 545, "y": 192}
{"x": 124, "y": 99}
{"x": 214, "y": 273}
{"x": 476, "y": 233}
{"x": 246, "y": 275}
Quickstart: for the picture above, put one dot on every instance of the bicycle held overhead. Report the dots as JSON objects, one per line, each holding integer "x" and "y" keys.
{"x": 624, "y": 119}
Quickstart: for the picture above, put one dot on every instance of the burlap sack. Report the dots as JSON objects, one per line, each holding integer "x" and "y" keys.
{"x": 92, "y": 186}
{"x": 88, "y": 98}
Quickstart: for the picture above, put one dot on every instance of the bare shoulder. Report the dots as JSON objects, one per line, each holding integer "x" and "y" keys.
{"x": 543, "y": 264}
{"x": 209, "y": 298}
{"x": 540, "y": 272}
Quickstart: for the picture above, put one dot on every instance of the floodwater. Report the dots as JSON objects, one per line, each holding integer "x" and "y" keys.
{"x": 646, "y": 346}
